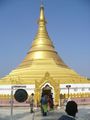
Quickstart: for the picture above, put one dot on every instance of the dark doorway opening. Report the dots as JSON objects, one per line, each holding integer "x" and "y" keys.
{"x": 47, "y": 90}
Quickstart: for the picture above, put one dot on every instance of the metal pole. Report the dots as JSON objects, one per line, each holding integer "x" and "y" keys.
{"x": 68, "y": 87}
{"x": 68, "y": 92}
{"x": 11, "y": 102}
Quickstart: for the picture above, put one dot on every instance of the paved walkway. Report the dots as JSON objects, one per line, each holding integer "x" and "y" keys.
{"x": 24, "y": 114}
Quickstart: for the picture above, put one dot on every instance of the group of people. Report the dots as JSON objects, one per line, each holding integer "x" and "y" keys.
{"x": 71, "y": 108}
{"x": 46, "y": 103}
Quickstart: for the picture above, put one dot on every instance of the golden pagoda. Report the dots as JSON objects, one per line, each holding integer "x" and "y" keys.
{"x": 43, "y": 67}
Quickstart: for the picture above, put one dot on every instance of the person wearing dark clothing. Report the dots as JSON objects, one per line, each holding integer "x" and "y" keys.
{"x": 66, "y": 117}
{"x": 71, "y": 110}
{"x": 44, "y": 105}
{"x": 50, "y": 102}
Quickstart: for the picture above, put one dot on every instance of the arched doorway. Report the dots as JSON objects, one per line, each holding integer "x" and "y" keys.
{"x": 47, "y": 90}
{"x": 40, "y": 86}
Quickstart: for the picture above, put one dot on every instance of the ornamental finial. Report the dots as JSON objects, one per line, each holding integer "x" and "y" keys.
{"x": 42, "y": 16}
{"x": 42, "y": 3}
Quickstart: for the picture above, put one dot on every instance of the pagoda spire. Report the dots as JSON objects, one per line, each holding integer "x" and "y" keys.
{"x": 42, "y": 47}
{"x": 42, "y": 37}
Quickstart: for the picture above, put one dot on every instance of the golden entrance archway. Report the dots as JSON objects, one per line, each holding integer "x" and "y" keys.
{"x": 47, "y": 80}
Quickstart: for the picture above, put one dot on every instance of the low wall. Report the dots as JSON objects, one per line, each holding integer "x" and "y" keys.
{"x": 7, "y": 103}
{"x": 79, "y": 101}
{"x": 82, "y": 100}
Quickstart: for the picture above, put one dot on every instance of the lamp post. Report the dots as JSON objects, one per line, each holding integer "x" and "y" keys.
{"x": 68, "y": 87}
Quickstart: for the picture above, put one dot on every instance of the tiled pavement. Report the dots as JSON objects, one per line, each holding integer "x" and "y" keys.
{"x": 22, "y": 113}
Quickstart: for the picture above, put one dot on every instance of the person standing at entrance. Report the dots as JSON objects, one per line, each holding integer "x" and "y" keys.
{"x": 71, "y": 110}
{"x": 44, "y": 105}
{"x": 32, "y": 103}
{"x": 50, "y": 102}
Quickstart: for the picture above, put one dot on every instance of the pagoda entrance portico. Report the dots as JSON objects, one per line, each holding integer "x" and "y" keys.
{"x": 48, "y": 86}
